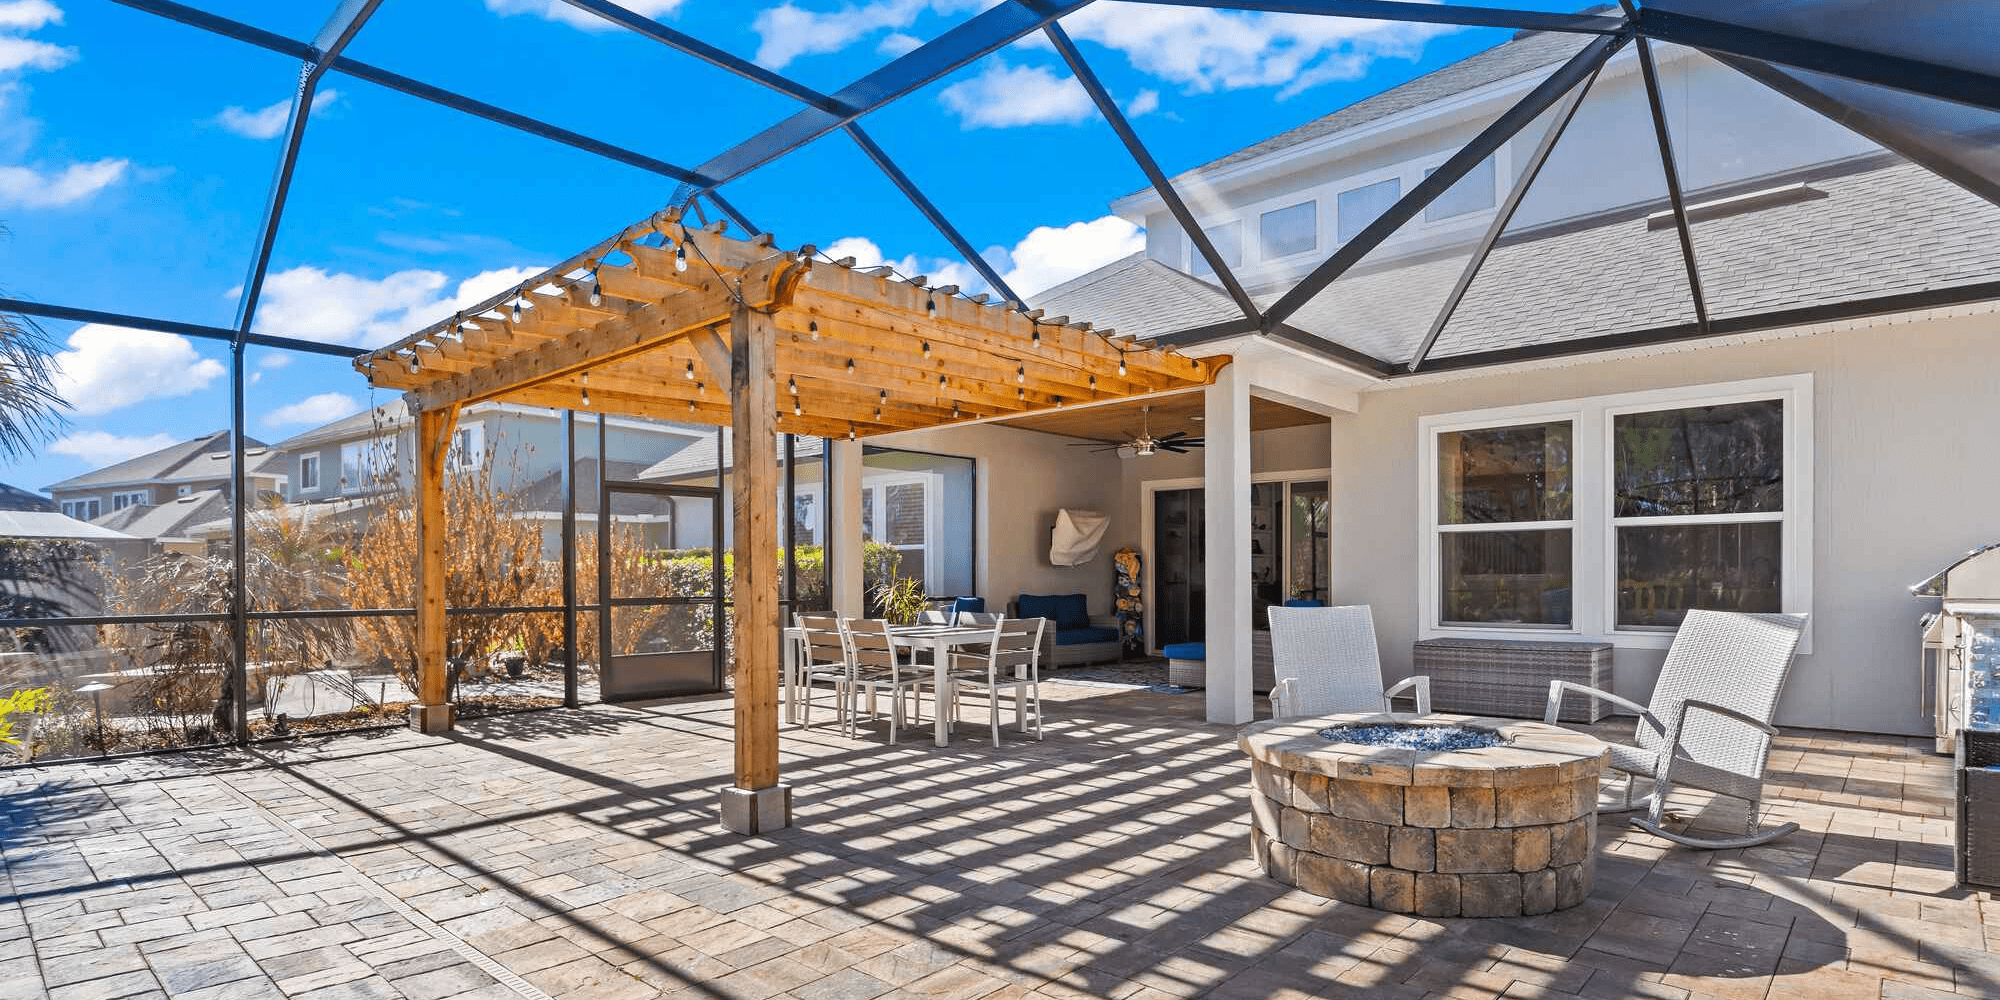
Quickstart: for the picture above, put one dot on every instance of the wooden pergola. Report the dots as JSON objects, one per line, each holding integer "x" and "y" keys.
{"x": 677, "y": 322}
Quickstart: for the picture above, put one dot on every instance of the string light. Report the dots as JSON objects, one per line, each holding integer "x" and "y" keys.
{"x": 414, "y": 363}
{"x": 1121, "y": 364}
{"x": 940, "y": 381}
{"x": 954, "y": 410}
{"x": 797, "y": 411}
{"x": 690, "y": 406}
{"x": 850, "y": 366}
{"x": 927, "y": 350}
{"x": 1058, "y": 402}
{"x": 850, "y": 432}
{"x": 690, "y": 372}
{"x": 1020, "y": 394}
{"x": 1036, "y": 335}
{"x": 517, "y": 307}
{"x": 793, "y": 385}
{"x": 885, "y": 396}
{"x": 681, "y": 256}
{"x": 878, "y": 414}
{"x": 596, "y": 290}
{"x": 586, "y": 388}
{"x": 930, "y": 307}
{"x": 1093, "y": 383}
{"x": 813, "y": 328}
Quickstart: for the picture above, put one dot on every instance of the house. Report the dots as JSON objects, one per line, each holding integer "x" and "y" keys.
{"x": 1806, "y": 455}
{"x": 332, "y": 470}
{"x": 162, "y": 495}
{"x": 16, "y": 498}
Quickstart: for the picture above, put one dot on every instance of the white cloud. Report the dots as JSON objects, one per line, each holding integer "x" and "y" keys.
{"x": 28, "y": 15}
{"x": 274, "y": 360}
{"x": 315, "y": 304}
{"x": 789, "y": 31}
{"x": 557, "y": 10}
{"x": 1004, "y": 96}
{"x": 1205, "y": 50}
{"x": 28, "y": 187}
{"x": 1144, "y": 103}
{"x": 26, "y": 53}
{"x": 1047, "y": 256}
{"x": 267, "y": 122}
{"x": 102, "y": 448}
{"x": 897, "y": 43}
{"x": 313, "y": 410}
{"x": 110, "y": 367}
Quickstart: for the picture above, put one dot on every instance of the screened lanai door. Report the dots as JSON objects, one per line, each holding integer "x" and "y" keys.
{"x": 663, "y": 622}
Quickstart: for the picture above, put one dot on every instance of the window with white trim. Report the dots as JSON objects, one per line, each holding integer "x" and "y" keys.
{"x": 468, "y": 448}
{"x": 309, "y": 472}
{"x": 1283, "y": 232}
{"x": 82, "y": 510}
{"x": 1355, "y": 208}
{"x": 367, "y": 465}
{"x": 1475, "y": 192}
{"x": 1613, "y": 516}
{"x": 134, "y": 498}
{"x": 1228, "y": 240}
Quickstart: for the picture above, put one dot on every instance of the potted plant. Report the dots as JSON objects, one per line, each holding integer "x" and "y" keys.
{"x": 902, "y": 599}
{"x": 18, "y": 714}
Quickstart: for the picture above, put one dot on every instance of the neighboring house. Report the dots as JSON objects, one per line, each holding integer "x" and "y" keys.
{"x": 15, "y": 498}
{"x": 332, "y": 469}
{"x": 1807, "y": 464}
{"x": 159, "y": 496}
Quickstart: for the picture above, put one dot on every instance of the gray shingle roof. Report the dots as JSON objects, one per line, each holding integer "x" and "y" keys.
{"x": 167, "y": 520}
{"x": 1139, "y": 296}
{"x": 49, "y": 524}
{"x": 163, "y": 465}
{"x": 1524, "y": 53}
{"x": 1879, "y": 230}
{"x": 16, "y": 498}
{"x": 392, "y": 414}
{"x": 698, "y": 458}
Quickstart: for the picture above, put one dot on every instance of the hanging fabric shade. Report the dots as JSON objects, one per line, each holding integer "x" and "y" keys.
{"x": 1077, "y": 536}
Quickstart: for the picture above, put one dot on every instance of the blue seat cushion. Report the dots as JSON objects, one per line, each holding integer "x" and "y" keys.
{"x": 1085, "y": 634}
{"x": 976, "y": 605}
{"x": 1065, "y": 610}
{"x": 1186, "y": 651}
{"x": 1303, "y": 602}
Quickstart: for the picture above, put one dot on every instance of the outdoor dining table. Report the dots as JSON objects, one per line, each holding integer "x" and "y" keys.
{"x": 939, "y": 639}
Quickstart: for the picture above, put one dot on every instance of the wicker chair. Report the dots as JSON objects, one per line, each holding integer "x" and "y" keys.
{"x": 1709, "y": 724}
{"x": 1326, "y": 661}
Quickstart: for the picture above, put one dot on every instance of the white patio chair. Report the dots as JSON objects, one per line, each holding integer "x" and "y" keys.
{"x": 873, "y": 663}
{"x": 1325, "y": 661}
{"x": 822, "y": 660}
{"x": 1012, "y": 658}
{"x": 1709, "y": 724}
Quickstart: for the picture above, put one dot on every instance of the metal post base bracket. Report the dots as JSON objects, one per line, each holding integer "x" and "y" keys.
{"x": 761, "y": 810}
{"x": 431, "y": 718}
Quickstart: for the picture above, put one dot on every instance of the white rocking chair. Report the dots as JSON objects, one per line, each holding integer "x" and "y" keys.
{"x": 1709, "y": 724}
{"x": 1326, "y": 661}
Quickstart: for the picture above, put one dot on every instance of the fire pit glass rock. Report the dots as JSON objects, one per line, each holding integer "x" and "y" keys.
{"x": 1440, "y": 815}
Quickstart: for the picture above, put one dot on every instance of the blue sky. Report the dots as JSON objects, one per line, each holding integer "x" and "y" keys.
{"x": 135, "y": 155}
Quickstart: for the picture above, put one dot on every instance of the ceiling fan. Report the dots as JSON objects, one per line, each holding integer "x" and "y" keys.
{"x": 1144, "y": 443}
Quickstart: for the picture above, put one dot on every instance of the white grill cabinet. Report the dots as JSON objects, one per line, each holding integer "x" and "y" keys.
{"x": 1960, "y": 655}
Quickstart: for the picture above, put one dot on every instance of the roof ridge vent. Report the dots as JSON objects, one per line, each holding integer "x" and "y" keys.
{"x": 1738, "y": 204}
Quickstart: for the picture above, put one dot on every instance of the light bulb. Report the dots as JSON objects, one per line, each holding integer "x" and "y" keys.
{"x": 850, "y": 432}
{"x": 414, "y": 363}
{"x": 596, "y": 290}
{"x": 1121, "y": 366}
{"x": 1020, "y": 394}
{"x": 813, "y": 328}
{"x": 885, "y": 395}
{"x": 930, "y": 307}
{"x": 878, "y": 413}
{"x": 940, "y": 381}
{"x": 1021, "y": 374}
{"x": 850, "y": 366}
{"x": 954, "y": 411}
{"x": 680, "y": 257}
{"x": 796, "y": 409}
{"x": 1093, "y": 383}
{"x": 793, "y": 385}
{"x": 1037, "y": 336}
{"x": 690, "y": 406}
{"x": 927, "y": 350}
{"x": 690, "y": 372}
{"x": 1058, "y": 402}
{"x": 517, "y": 309}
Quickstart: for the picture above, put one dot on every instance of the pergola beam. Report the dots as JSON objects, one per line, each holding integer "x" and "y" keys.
{"x": 1404, "y": 10}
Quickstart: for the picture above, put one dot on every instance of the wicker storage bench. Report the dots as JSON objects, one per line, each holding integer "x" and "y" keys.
{"x": 1978, "y": 826}
{"x": 1510, "y": 677}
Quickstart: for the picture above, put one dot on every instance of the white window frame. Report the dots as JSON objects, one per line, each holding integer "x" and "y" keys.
{"x": 468, "y": 448}
{"x": 1482, "y": 214}
{"x": 130, "y": 498}
{"x": 1593, "y": 529}
{"x": 933, "y": 484}
{"x": 1290, "y": 201}
{"x": 377, "y": 454}
{"x": 76, "y": 508}
{"x": 1195, "y": 259}
{"x": 308, "y": 472}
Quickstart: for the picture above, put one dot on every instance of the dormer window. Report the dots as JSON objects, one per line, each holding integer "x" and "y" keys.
{"x": 1473, "y": 193}
{"x": 1285, "y": 231}
{"x": 1357, "y": 207}
{"x": 1228, "y": 240}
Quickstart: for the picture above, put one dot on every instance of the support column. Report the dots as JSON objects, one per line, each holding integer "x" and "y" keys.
{"x": 758, "y": 802}
{"x": 1226, "y": 544}
{"x": 849, "y": 585}
{"x": 432, "y": 712}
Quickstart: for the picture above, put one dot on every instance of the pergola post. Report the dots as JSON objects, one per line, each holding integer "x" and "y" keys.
{"x": 845, "y": 579}
{"x": 757, "y": 802}
{"x": 432, "y": 712}
{"x": 1226, "y": 525}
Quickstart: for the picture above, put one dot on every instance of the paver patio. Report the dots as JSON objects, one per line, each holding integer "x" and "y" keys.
{"x": 578, "y": 854}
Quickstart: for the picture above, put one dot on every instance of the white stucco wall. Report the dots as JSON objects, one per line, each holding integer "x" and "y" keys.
{"x": 1904, "y": 420}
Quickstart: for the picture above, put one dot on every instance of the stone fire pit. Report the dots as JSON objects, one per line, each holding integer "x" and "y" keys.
{"x": 1495, "y": 831}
